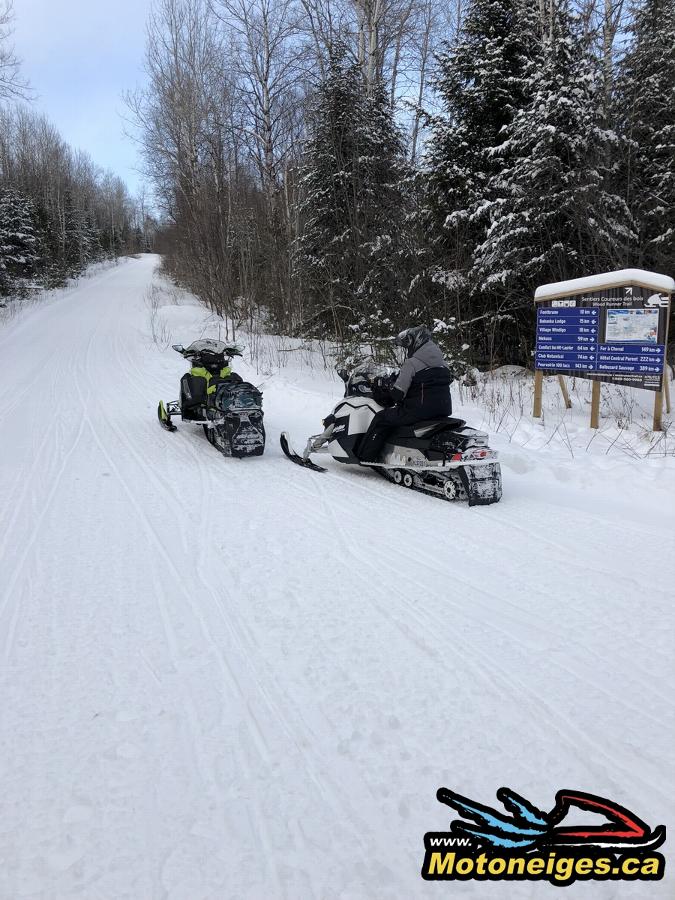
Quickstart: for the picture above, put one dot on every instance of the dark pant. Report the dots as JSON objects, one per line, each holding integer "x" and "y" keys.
{"x": 383, "y": 423}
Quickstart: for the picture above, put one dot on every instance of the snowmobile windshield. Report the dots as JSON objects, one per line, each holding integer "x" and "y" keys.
{"x": 361, "y": 380}
{"x": 211, "y": 347}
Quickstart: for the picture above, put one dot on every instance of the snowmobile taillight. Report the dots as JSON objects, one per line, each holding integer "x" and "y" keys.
{"x": 456, "y": 457}
{"x": 476, "y": 453}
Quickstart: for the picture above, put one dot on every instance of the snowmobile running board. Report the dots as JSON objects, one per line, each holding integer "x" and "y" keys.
{"x": 284, "y": 440}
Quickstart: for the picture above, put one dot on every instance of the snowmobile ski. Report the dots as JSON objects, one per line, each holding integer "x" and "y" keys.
{"x": 284, "y": 440}
{"x": 165, "y": 418}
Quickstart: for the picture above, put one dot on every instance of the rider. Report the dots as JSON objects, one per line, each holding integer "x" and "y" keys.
{"x": 421, "y": 391}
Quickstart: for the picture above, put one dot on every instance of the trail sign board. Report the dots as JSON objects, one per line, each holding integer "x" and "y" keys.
{"x": 615, "y": 332}
{"x": 611, "y": 327}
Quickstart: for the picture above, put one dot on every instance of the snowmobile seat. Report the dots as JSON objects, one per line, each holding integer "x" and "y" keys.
{"x": 429, "y": 427}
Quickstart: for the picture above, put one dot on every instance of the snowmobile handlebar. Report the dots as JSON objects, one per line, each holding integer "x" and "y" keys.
{"x": 373, "y": 377}
{"x": 194, "y": 354}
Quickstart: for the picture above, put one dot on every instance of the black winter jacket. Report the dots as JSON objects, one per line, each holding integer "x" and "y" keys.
{"x": 423, "y": 384}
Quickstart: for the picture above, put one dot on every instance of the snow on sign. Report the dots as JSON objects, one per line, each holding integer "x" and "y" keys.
{"x": 611, "y": 327}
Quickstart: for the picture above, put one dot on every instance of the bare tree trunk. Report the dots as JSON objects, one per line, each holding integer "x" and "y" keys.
{"x": 12, "y": 84}
{"x": 612, "y": 16}
{"x": 424, "y": 57}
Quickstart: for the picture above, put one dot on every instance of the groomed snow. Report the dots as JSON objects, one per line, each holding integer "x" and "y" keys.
{"x": 239, "y": 679}
{"x": 637, "y": 277}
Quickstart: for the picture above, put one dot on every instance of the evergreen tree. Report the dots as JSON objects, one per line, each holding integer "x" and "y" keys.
{"x": 19, "y": 245}
{"x": 646, "y": 111}
{"x": 483, "y": 82}
{"x": 351, "y": 253}
{"x": 81, "y": 237}
{"x": 482, "y": 85}
{"x": 553, "y": 212}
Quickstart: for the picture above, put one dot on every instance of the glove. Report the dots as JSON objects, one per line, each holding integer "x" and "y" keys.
{"x": 381, "y": 391}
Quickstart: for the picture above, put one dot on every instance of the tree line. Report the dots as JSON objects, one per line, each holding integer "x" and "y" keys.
{"x": 346, "y": 168}
{"x": 58, "y": 210}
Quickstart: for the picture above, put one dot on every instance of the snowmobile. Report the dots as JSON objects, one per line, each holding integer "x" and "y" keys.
{"x": 443, "y": 457}
{"x": 211, "y": 394}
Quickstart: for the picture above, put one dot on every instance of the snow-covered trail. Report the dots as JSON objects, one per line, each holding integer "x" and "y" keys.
{"x": 237, "y": 679}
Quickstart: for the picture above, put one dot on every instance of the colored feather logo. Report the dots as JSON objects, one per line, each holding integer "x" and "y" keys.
{"x": 522, "y": 829}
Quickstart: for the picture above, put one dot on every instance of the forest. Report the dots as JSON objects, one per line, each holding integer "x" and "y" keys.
{"x": 345, "y": 168}
{"x": 59, "y": 211}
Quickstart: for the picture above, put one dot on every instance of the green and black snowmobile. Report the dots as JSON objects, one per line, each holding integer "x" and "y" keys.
{"x": 211, "y": 394}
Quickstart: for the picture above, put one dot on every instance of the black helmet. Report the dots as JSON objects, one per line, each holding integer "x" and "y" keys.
{"x": 413, "y": 338}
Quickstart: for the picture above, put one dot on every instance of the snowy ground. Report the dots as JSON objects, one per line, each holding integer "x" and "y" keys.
{"x": 238, "y": 679}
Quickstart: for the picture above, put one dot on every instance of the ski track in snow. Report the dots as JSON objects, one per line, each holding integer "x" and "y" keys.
{"x": 236, "y": 679}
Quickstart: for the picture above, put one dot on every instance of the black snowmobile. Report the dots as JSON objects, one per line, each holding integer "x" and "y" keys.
{"x": 442, "y": 456}
{"x": 229, "y": 408}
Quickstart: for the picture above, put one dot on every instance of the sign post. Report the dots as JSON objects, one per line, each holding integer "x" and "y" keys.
{"x": 563, "y": 390}
{"x": 611, "y": 327}
{"x": 666, "y": 379}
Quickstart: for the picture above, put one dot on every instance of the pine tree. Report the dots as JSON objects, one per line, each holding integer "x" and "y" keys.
{"x": 81, "y": 237}
{"x": 553, "y": 212}
{"x": 19, "y": 245}
{"x": 482, "y": 85}
{"x": 351, "y": 251}
{"x": 645, "y": 108}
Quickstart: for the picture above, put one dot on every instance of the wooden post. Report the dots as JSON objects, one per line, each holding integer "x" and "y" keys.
{"x": 595, "y": 404}
{"x": 666, "y": 385}
{"x": 538, "y": 385}
{"x": 563, "y": 388}
{"x": 657, "y": 424}
{"x": 666, "y": 368}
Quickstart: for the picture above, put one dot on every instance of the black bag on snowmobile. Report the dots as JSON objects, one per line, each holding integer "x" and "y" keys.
{"x": 240, "y": 406}
{"x": 192, "y": 392}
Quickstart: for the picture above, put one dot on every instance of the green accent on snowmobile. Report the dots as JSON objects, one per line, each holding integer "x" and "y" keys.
{"x": 201, "y": 372}
{"x": 164, "y": 417}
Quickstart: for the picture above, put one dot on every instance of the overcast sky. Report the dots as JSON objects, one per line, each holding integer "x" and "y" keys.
{"x": 80, "y": 56}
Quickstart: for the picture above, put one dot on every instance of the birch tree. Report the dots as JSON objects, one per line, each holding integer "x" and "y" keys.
{"x": 12, "y": 83}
